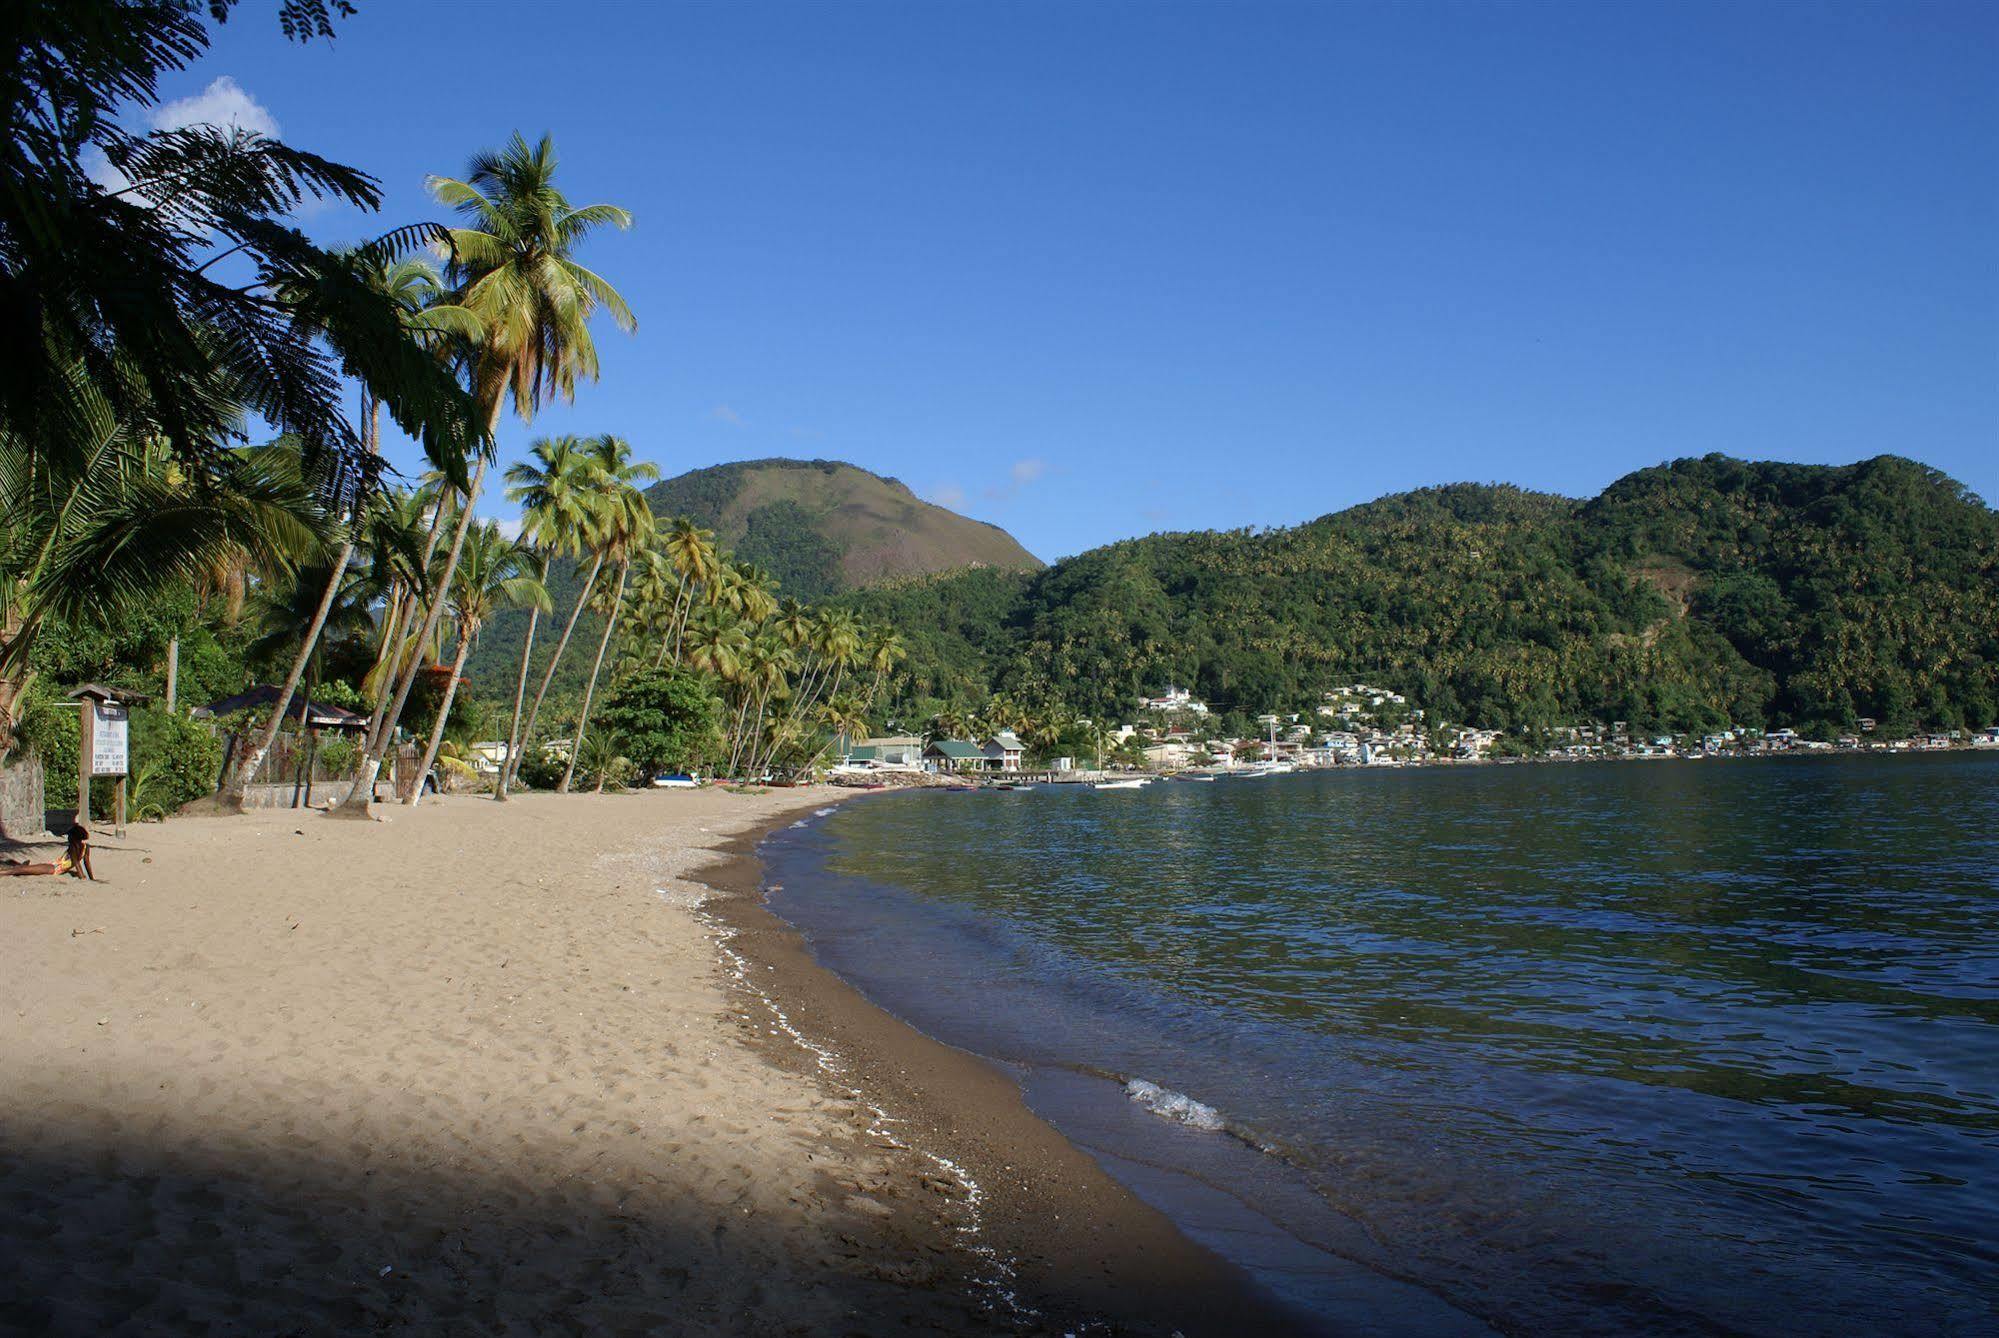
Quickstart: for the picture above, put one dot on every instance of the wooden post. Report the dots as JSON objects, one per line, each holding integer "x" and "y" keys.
{"x": 86, "y": 739}
{"x": 118, "y": 808}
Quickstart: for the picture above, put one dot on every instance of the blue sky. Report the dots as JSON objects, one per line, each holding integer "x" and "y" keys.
{"x": 1089, "y": 271}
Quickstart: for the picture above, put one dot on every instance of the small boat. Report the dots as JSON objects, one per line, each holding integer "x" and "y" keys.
{"x": 1014, "y": 785}
{"x": 1133, "y": 783}
{"x": 675, "y": 780}
{"x": 1204, "y": 778}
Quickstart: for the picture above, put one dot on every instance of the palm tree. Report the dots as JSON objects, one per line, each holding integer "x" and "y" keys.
{"x": 766, "y": 661}
{"x": 560, "y": 489}
{"x": 107, "y": 525}
{"x": 494, "y": 573}
{"x": 883, "y": 651}
{"x": 692, "y": 552}
{"x": 514, "y": 269}
{"x": 412, "y": 287}
{"x": 396, "y": 536}
{"x": 715, "y": 644}
{"x": 627, "y": 530}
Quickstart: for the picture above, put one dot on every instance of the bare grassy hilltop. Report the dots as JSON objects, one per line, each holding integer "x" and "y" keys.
{"x": 823, "y": 526}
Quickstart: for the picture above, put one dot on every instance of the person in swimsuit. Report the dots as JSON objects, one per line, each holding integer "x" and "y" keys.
{"x": 75, "y": 860}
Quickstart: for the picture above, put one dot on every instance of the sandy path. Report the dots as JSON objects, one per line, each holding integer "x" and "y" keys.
{"x": 466, "y": 1071}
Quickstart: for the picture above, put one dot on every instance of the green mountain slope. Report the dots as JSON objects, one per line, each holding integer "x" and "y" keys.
{"x": 1695, "y": 594}
{"x": 821, "y": 526}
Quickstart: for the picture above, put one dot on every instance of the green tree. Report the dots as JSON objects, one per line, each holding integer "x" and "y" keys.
{"x": 514, "y": 270}
{"x": 625, "y": 528}
{"x": 667, "y": 719}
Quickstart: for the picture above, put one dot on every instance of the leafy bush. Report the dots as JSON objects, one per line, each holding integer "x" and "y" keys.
{"x": 173, "y": 760}
{"x": 179, "y": 759}
{"x": 541, "y": 768}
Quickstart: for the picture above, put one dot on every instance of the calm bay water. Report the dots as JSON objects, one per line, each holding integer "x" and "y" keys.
{"x": 1660, "y": 1047}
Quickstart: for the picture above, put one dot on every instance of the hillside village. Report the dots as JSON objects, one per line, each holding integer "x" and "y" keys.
{"x": 1356, "y": 724}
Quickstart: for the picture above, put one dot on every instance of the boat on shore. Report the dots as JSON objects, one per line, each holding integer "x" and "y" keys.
{"x": 1126, "y": 783}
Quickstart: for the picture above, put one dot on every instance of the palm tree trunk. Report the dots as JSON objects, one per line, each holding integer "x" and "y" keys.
{"x": 761, "y": 764}
{"x": 443, "y": 714}
{"x": 520, "y": 700}
{"x": 358, "y": 799}
{"x": 672, "y": 625}
{"x": 173, "y": 674}
{"x": 548, "y": 675}
{"x": 236, "y": 785}
{"x": 680, "y": 626}
{"x": 736, "y": 734}
{"x": 603, "y": 644}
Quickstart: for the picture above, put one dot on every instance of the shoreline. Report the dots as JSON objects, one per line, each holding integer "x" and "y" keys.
{"x": 1064, "y": 1243}
{"x": 476, "y": 1068}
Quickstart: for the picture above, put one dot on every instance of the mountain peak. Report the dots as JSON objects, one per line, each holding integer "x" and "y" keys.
{"x": 823, "y": 526}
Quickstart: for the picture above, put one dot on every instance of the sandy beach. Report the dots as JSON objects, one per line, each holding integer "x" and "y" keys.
{"x": 495, "y": 1068}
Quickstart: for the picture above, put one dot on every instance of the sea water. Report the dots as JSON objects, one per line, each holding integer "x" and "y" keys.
{"x": 1662, "y": 1047}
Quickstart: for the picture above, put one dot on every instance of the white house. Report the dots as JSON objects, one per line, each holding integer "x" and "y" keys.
{"x": 1003, "y": 751}
{"x": 1174, "y": 699}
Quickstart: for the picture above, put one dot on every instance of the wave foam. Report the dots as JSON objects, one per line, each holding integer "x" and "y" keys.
{"x": 1178, "y": 1107}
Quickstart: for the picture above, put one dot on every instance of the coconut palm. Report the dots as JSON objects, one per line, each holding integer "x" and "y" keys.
{"x": 560, "y": 490}
{"x": 715, "y": 644}
{"x": 766, "y": 662}
{"x": 626, "y": 530}
{"x": 110, "y": 524}
{"x": 883, "y": 651}
{"x": 514, "y": 269}
{"x": 692, "y": 552}
{"x": 112, "y": 301}
{"x": 493, "y": 573}
{"x": 411, "y": 286}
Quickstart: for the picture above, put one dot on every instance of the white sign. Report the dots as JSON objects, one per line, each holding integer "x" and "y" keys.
{"x": 110, "y": 740}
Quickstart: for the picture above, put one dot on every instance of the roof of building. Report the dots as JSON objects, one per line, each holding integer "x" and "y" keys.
{"x": 956, "y": 749}
{"x": 264, "y": 695}
{"x": 1008, "y": 740}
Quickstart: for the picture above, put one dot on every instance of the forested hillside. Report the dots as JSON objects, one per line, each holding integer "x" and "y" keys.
{"x": 1687, "y": 596}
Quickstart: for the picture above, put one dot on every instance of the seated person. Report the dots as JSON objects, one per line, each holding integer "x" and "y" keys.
{"x": 75, "y": 860}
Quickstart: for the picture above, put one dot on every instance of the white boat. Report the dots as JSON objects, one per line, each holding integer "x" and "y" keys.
{"x": 1132, "y": 783}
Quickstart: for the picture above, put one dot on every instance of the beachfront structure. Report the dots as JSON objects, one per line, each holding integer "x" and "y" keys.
{"x": 954, "y": 755}
{"x": 1003, "y": 751}
{"x": 1174, "y": 699}
{"x": 893, "y": 750}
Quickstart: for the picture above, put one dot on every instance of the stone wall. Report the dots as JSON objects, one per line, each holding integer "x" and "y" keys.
{"x": 23, "y": 798}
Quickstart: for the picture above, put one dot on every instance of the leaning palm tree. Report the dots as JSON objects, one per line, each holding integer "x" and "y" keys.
{"x": 560, "y": 491}
{"x": 692, "y": 552}
{"x": 715, "y": 644}
{"x": 627, "y": 531}
{"x": 884, "y": 651}
{"x": 411, "y": 286}
{"x": 513, "y": 268}
{"x": 494, "y": 573}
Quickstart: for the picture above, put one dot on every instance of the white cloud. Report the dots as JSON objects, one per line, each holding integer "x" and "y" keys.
{"x": 1028, "y": 470}
{"x": 948, "y": 494}
{"x": 722, "y": 413}
{"x": 223, "y": 103}
{"x": 509, "y": 526}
